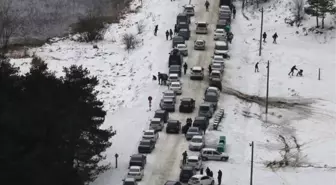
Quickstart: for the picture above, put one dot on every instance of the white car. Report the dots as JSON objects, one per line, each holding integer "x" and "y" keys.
{"x": 212, "y": 89}
{"x": 150, "y": 134}
{"x": 201, "y": 180}
{"x": 193, "y": 161}
{"x": 176, "y": 87}
{"x": 215, "y": 74}
{"x": 219, "y": 33}
{"x": 213, "y": 154}
{"x": 173, "y": 77}
{"x": 183, "y": 48}
{"x": 135, "y": 172}
{"x": 196, "y": 143}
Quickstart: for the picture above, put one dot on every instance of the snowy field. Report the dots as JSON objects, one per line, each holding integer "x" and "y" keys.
{"x": 303, "y": 108}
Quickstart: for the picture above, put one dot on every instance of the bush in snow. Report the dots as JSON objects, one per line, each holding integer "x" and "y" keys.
{"x": 130, "y": 41}
{"x": 140, "y": 27}
{"x": 298, "y": 10}
{"x": 91, "y": 29}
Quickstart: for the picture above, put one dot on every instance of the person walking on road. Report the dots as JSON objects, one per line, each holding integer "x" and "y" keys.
{"x": 167, "y": 34}
{"x": 175, "y": 29}
{"x": 184, "y": 155}
{"x": 234, "y": 11}
{"x": 207, "y": 171}
{"x": 219, "y": 177}
{"x": 171, "y": 34}
{"x": 264, "y": 36}
{"x": 185, "y": 67}
{"x": 211, "y": 174}
{"x": 159, "y": 78}
{"x": 201, "y": 171}
{"x": 207, "y": 4}
{"x": 210, "y": 69}
{"x": 156, "y": 29}
{"x": 291, "y": 73}
{"x": 275, "y": 36}
{"x": 256, "y": 67}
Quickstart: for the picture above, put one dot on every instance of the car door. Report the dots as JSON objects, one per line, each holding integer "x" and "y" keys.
{"x": 205, "y": 180}
{"x": 216, "y": 155}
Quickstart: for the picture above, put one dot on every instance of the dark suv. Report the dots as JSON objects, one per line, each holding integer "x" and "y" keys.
{"x": 201, "y": 122}
{"x": 138, "y": 160}
{"x": 173, "y": 126}
{"x": 146, "y": 146}
{"x": 162, "y": 114}
{"x": 186, "y": 173}
{"x": 187, "y": 105}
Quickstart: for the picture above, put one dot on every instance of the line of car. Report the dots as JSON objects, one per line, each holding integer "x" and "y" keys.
{"x": 193, "y": 132}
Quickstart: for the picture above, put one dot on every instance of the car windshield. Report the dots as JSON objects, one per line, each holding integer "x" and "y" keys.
{"x": 181, "y": 47}
{"x": 196, "y": 140}
{"x": 178, "y": 39}
{"x": 210, "y": 98}
{"x": 219, "y": 31}
{"x": 148, "y": 133}
{"x": 201, "y": 25}
{"x": 185, "y": 102}
{"x": 193, "y": 130}
{"x": 174, "y": 68}
{"x": 219, "y": 47}
{"x": 173, "y": 77}
{"x": 128, "y": 183}
{"x": 216, "y": 75}
{"x": 192, "y": 160}
{"x": 168, "y": 102}
{"x": 134, "y": 170}
{"x": 175, "y": 85}
{"x": 169, "y": 94}
{"x": 189, "y": 8}
{"x": 196, "y": 70}
{"x": 136, "y": 158}
{"x": 204, "y": 108}
{"x": 216, "y": 67}
{"x": 144, "y": 143}
{"x": 199, "y": 42}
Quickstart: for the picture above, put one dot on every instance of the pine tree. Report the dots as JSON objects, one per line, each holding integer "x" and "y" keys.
{"x": 314, "y": 4}
{"x": 326, "y": 6}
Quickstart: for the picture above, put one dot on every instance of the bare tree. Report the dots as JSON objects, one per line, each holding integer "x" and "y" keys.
{"x": 9, "y": 23}
{"x": 298, "y": 8}
{"x": 130, "y": 41}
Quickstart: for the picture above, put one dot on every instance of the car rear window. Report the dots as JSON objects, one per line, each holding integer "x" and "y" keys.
{"x": 203, "y": 108}
{"x": 192, "y": 160}
{"x": 201, "y": 25}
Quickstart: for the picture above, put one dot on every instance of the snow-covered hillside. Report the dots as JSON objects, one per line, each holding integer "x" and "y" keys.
{"x": 303, "y": 108}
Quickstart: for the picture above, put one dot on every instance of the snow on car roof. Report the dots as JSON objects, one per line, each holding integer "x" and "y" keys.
{"x": 197, "y": 68}
{"x": 215, "y": 71}
{"x": 189, "y": 6}
{"x": 202, "y": 22}
{"x": 209, "y": 149}
{"x": 156, "y": 119}
{"x": 199, "y": 40}
{"x": 198, "y": 176}
{"x": 218, "y": 57}
{"x": 213, "y": 88}
{"x": 216, "y": 65}
{"x": 168, "y": 100}
{"x": 173, "y": 75}
{"x": 219, "y": 30}
{"x": 197, "y": 137}
{"x": 135, "y": 167}
{"x": 175, "y": 83}
{"x": 220, "y": 43}
{"x": 193, "y": 157}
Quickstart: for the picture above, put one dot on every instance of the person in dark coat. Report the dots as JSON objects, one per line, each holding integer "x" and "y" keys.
{"x": 292, "y": 70}
{"x": 184, "y": 155}
{"x": 275, "y": 36}
{"x": 175, "y": 29}
{"x": 203, "y": 128}
{"x": 189, "y": 122}
{"x": 207, "y": 171}
{"x": 185, "y": 67}
{"x": 156, "y": 29}
{"x": 210, "y": 69}
{"x": 171, "y": 34}
{"x": 219, "y": 177}
{"x": 207, "y": 4}
{"x": 300, "y": 73}
{"x": 230, "y": 36}
{"x": 164, "y": 78}
{"x": 256, "y": 67}
{"x": 211, "y": 173}
{"x": 159, "y": 78}
{"x": 167, "y": 34}
{"x": 201, "y": 171}
{"x": 264, "y": 36}
{"x": 234, "y": 11}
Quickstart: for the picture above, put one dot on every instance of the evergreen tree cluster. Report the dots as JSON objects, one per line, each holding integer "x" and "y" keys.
{"x": 50, "y": 127}
{"x": 320, "y": 8}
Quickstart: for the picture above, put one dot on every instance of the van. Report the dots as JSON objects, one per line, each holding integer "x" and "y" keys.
{"x": 162, "y": 114}
{"x": 201, "y": 122}
{"x": 156, "y": 124}
{"x": 201, "y": 27}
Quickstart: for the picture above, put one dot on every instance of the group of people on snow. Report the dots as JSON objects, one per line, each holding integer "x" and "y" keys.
{"x": 208, "y": 172}
{"x": 291, "y": 72}
{"x": 275, "y": 36}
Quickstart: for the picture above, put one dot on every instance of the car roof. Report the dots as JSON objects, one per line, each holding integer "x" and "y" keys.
{"x": 216, "y": 64}
{"x": 137, "y": 155}
{"x": 181, "y": 44}
{"x": 198, "y": 176}
{"x": 187, "y": 167}
{"x": 174, "y": 66}
{"x": 176, "y": 83}
{"x": 167, "y": 100}
{"x": 193, "y": 157}
{"x": 198, "y": 136}
{"x": 135, "y": 167}
{"x": 215, "y": 71}
{"x": 130, "y": 179}
{"x": 211, "y": 93}
{"x": 186, "y": 99}
{"x": 220, "y": 43}
{"x": 197, "y": 68}
{"x": 189, "y": 6}
{"x": 202, "y": 22}
{"x": 174, "y": 75}
{"x": 200, "y": 40}
{"x": 178, "y": 37}
{"x": 184, "y": 29}
{"x": 209, "y": 149}
{"x": 213, "y": 88}
{"x": 181, "y": 14}
{"x": 160, "y": 111}
{"x": 220, "y": 29}
{"x": 205, "y": 104}
{"x": 156, "y": 119}
{"x": 200, "y": 117}
{"x": 193, "y": 128}
{"x": 173, "y": 120}
{"x": 218, "y": 57}
{"x": 151, "y": 130}
{"x": 168, "y": 91}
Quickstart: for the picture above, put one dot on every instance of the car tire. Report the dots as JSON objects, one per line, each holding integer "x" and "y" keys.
{"x": 204, "y": 158}
{"x": 224, "y": 159}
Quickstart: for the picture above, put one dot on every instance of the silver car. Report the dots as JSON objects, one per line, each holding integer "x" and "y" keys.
{"x": 197, "y": 73}
{"x": 169, "y": 94}
{"x": 221, "y": 48}
{"x": 189, "y": 9}
{"x": 183, "y": 48}
{"x": 213, "y": 154}
{"x": 193, "y": 131}
{"x": 206, "y": 110}
{"x": 197, "y": 143}
{"x": 217, "y": 67}
{"x": 167, "y": 104}
{"x": 212, "y": 98}
{"x": 199, "y": 45}
{"x": 156, "y": 124}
